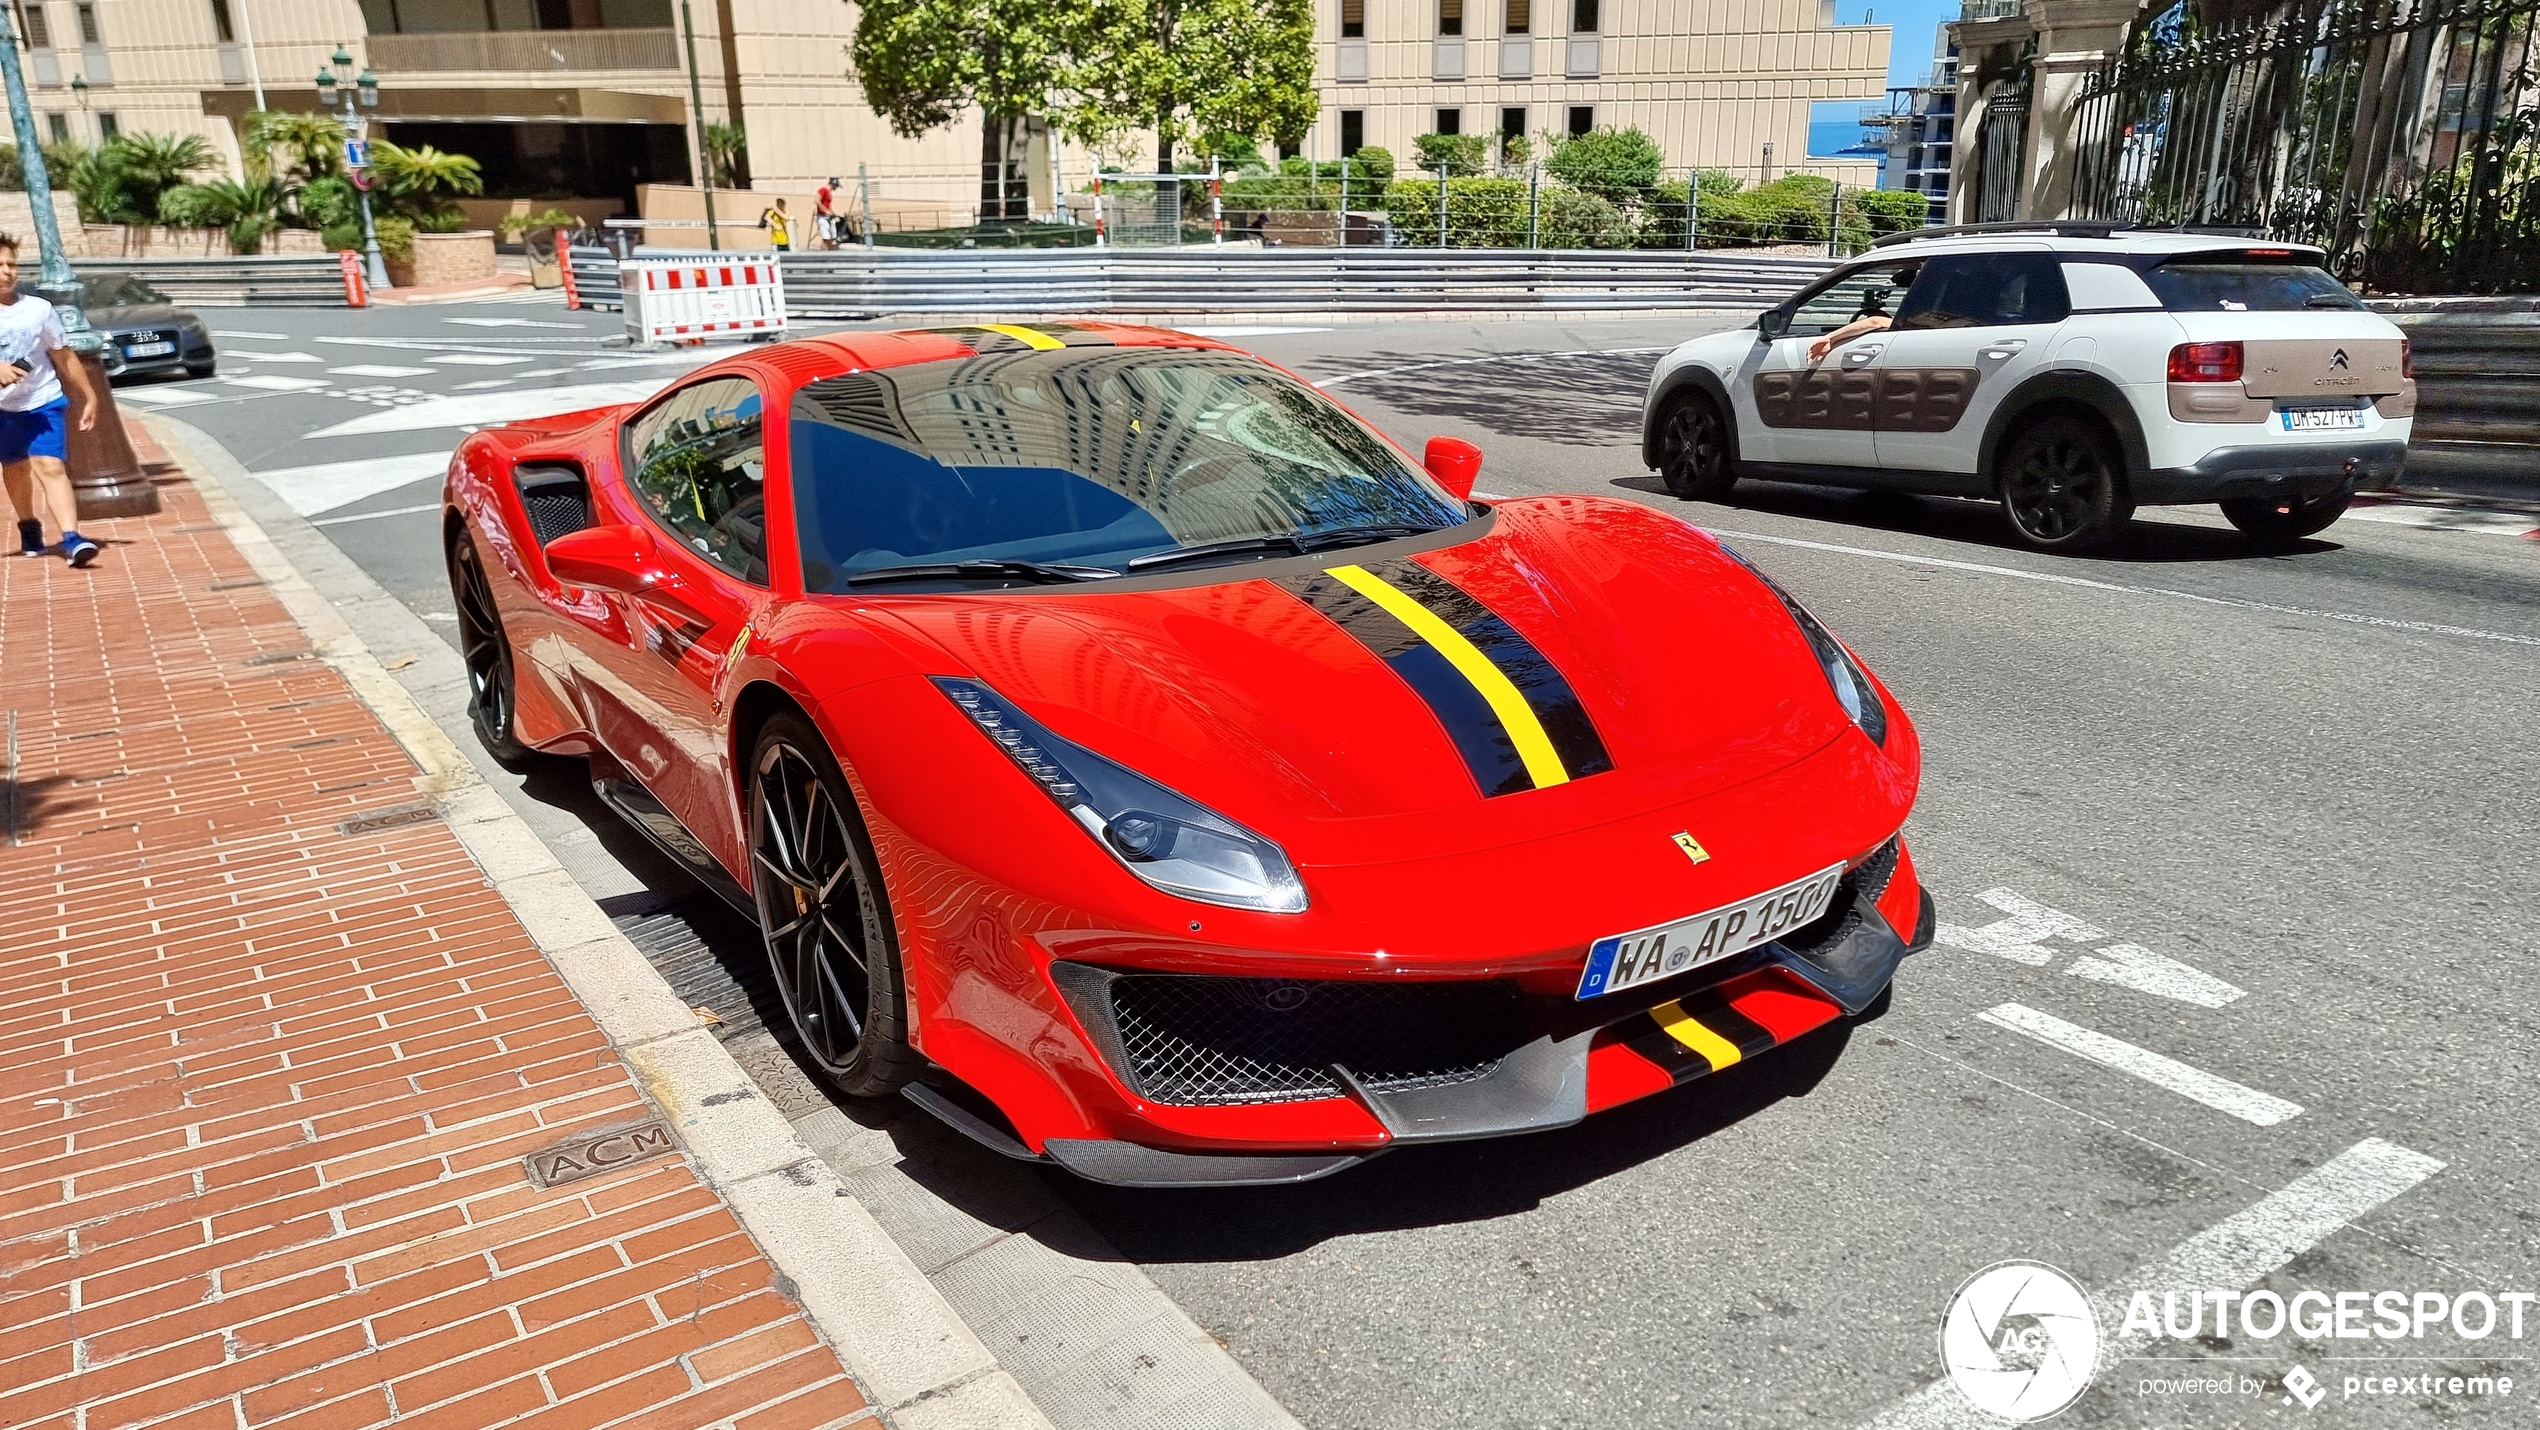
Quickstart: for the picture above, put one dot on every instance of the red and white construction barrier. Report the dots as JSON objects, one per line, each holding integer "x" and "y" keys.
{"x": 685, "y": 300}
{"x": 356, "y": 291}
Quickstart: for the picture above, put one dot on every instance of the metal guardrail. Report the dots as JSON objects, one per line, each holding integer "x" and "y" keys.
{"x": 299, "y": 280}
{"x": 593, "y": 269}
{"x": 1293, "y": 280}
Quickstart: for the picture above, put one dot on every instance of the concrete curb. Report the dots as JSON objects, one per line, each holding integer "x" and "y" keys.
{"x": 915, "y": 1357}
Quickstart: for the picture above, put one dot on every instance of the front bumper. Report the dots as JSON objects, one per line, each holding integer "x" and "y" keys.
{"x": 2276, "y": 470}
{"x": 1544, "y": 1062}
{"x": 193, "y": 350}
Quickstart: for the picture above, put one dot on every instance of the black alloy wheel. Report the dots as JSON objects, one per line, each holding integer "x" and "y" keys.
{"x": 1693, "y": 449}
{"x": 485, "y": 651}
{"x": 825, "y": 917}
{"x": 203, "y": 369}
{"x": 2063, "y": 487}
{"x": 2277, "y": 522}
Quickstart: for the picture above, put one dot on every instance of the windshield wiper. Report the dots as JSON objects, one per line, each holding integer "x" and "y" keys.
{"x": 1294, "y": 544}
{"x": 1040, "y": 572}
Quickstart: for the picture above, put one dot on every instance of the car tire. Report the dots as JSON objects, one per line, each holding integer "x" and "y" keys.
{"x": 824, "y": 913}
{"x": 2063, "y": 486}
{"x": 205, "y": 370}
{"x": 485, "y": 649}
{"x": 1693, "y": 449}
{"x": 2282, "y": 522}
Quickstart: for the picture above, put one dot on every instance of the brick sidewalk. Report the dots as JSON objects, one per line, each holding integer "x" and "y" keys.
{"x": 266, "y": 1084}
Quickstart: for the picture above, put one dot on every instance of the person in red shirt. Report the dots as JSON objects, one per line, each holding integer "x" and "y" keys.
{"x": 824, "y": 219}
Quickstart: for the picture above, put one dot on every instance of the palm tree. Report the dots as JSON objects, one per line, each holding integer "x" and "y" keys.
{"x": 155, "y": 163}
{"x": 314, "y": 142}
{"x": 420, "y": 183}
{"x": 728, "y": 154}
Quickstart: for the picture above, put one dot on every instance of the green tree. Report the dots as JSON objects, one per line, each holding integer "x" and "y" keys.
{"x": 311, "y": 145}
{"x": 1461, "y": 155}
{"x": 248, "y": 208}
{"x": 924, "y": 63}
{"x": 728, "y": 155}
{"x": 421, "y": 183}
{"x": 1192, "y": 70}
{"x": 1617, "y": 165}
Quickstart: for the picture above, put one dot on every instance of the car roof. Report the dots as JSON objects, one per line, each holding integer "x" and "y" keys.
{"x": 2072, "y": 237}
{"x": 904, "y": 346}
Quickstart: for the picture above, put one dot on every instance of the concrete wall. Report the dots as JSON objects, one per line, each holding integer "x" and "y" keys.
{"x": 17, "y": 218}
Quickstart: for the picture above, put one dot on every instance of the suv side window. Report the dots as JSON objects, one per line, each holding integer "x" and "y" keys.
{"x": 695, "y": 460}
{"x": 1987, "y": 290}
{"x": 1876, "y": 288}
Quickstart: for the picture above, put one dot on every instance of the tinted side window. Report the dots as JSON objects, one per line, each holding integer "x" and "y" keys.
{"x": 2191, "y": 287}
{"x": 1987, "y": 290}
{"x": 1859, "y": 293}
{"x": 694, "y": 459}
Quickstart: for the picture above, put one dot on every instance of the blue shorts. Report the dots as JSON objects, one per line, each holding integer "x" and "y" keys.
{"x": 42, "y": 432}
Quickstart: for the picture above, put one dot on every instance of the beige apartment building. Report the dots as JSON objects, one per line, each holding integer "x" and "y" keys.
{"x": 591, "y": 98}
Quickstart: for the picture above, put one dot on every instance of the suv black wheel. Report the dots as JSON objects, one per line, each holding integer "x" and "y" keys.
{"x": 2282, "y": 522}
{"x": 485, "y": 651}
{"x": 1693, "y": 449}
{"x": 2063, "y": 486}
{"x": 824, "y": 913}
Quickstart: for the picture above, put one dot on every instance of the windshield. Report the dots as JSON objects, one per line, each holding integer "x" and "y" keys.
{"x": 1086, "y": 457}
{"x": 2243, "y": 287}
{"x": 107, "y": 290}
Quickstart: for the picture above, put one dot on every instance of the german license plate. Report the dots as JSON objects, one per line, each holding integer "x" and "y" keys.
{"x": 2321, "y": 419}
{"x": 149, "y": 349}
{"x": 1631, "y": 959}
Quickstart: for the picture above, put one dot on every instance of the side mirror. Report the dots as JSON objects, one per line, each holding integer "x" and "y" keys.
{"x": 1456, "y": 463}
{"x": 1774, "y": 322}
{"x": 623, "y": 559}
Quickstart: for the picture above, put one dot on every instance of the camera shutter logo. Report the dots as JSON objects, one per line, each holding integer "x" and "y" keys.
{"x": 2020, "y": 1340}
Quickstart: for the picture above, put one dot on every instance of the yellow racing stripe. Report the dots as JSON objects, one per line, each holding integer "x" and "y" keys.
{"x": 1032, "y": 338}
{"x": 1534, "y": 747}
{"x": 1719, "y": 1052}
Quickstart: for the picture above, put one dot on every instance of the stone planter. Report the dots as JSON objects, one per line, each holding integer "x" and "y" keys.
{"x": 401, "y": 271}
{"x": 445, "y": 258}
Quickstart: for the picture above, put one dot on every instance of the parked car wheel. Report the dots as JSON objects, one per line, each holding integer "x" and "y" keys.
{"x": 486, "y": 651}
{"x": 2281, "y": 523}
{"x": 202, "y": 370}
{"x": 2063, "y": 486}
{"x": 1693, "y": 449}
{"x": 825, "y": 916}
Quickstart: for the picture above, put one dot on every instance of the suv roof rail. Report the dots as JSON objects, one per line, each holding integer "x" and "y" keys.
{"x": 2061, "y": 228}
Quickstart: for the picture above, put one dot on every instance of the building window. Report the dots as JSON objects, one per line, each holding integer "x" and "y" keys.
{"x": 1353, "y": 131}
{"x": 1583, "y": 17}
{"x": 59, "y": 126}
{"x": 220, "y": 23}
{"x": 88, "y": 34}
{"x": 1450, "y": 17}
{"x": 1353, "y": 19}
{"x": 1521, "y": 16}
{"x": 107, "y": 128}
{"x": 1582, "y": 119}
{"x": 1512, "y": 123}
{"x": 1450, "y": 121}
{"x": 39, "y": 31}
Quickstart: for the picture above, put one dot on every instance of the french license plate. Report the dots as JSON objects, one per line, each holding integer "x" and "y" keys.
{"x": 2321, "y": 419}
{"x": 149, "y": 350}
{"x": 1630, "y": 959}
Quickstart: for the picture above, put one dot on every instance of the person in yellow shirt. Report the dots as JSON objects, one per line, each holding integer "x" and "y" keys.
{"x": 779, "y": 225}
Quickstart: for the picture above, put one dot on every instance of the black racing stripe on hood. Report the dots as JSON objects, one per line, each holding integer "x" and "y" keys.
{"x": 1489, "y": 752}
{"x": 1546, "y": 689}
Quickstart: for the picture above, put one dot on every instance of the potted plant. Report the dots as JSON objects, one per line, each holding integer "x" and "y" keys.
{"x": 540, "y": 235}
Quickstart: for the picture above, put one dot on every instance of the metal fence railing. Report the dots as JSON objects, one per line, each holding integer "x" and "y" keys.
{"x": 310, "y": 280}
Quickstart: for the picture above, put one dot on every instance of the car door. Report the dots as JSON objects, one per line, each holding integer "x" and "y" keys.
{"x": 1972, "y": 328}
{"x": 1815, "y": 411}
{"x": 696, "y": 465}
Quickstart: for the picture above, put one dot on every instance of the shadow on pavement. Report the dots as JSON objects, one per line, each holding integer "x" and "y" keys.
{"x": 1590, "y": 401}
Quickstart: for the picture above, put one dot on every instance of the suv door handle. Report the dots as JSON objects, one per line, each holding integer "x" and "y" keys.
{"x": 1858, "y": 354}
{"x": 2005, "y": 347}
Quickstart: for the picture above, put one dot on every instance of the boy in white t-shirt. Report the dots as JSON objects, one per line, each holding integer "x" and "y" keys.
{"x": 35, "y": 416}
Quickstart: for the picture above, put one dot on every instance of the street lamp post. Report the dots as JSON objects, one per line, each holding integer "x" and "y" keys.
{"x": 104, "y": 472}
{"x": 365, "y": 88}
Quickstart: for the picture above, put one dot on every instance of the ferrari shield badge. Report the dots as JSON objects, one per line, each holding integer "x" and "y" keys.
{"x": 1692, "y": 847}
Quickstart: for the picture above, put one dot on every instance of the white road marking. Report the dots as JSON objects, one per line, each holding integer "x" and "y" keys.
{"x": 443, "y": 616}
{"x": 512, "y": 323}
{"x": 277, "y": 383}
{"x": 1240, "y": 330}
{"x": 375, "y": 515}
{"x": 2236, "y": 1253}
{"x": 372, "y": 369}
{"x": 250, "y": 355}
{"x": 486, "y": 408}
{"x": 2131, "y": 965}
{"x": 243, "y": 333}
{"x": 479, "y": 359}
{"x": 2018, "y": 937}
{"x": 2257, "y": 1108}
{"x": 2352, "y": 617}
{"x": 163, "y": 396}
{"x": 1331, "y": 382}
{"x": 308, "y": 490}
{"x": 483, "y": 383}
{"x": 692, "y": 358}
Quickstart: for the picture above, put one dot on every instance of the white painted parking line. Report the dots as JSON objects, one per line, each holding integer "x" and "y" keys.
{"x": 277, "y": 383}
{"x": 372, "y": 369}
{"x": 251, "y": 355}
{"x": 486, "y": 408}
{"x": 243, "y": 333}
{"x": 164, "y": 396}
{"x": 512, "y": 323}
{"x": 2131, "y": 965}
{"x": 2219, "y": 1093}
{"x": 477, "y": 359}
{"x": 308, "y": 490}
{"x": 376, "y": 515}
{"x": 2022, "y": 937}
{"x": 2052, "y": 579}
{"x": 2236, "y": 1253}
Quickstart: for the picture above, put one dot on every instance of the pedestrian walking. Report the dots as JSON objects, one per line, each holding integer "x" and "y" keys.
{"x": 35, "y": 416}
{"x": 779, "y": 225}
{"x": 824, "y": 221}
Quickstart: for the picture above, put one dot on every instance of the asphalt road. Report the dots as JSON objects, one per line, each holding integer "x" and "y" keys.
{"x": 2236, "y": 989}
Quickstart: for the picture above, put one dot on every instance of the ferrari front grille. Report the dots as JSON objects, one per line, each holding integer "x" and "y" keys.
{"x": 1868, "y": 879}
{"x": 1198, "y": 1041}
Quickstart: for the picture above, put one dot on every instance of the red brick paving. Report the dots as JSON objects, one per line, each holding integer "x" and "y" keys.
{"x": 265, "y": 1085}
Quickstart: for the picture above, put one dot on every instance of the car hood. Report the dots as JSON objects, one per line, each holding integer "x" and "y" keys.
{"x": 1265, "y": 692}
{"x": 140, "y": 315}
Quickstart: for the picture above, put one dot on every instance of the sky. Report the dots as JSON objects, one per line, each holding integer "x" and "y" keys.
{"x": 1835, "y": 123}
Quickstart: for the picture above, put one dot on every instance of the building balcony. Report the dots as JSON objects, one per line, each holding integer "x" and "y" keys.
{"x": 1988, "y": 9}
{"x": 550, "y": 51}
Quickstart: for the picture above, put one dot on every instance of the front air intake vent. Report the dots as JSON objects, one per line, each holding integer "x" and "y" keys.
{"x": 1198, "y": 1041}
{"x": 556, "y": 499}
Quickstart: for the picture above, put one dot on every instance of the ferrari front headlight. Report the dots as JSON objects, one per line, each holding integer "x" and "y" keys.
{"x": 1852, "y": 687}
{"x": 1174, "y": 843}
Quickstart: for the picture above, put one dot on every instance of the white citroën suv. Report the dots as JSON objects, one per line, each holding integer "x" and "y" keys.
{"x": 2070, "y": 371}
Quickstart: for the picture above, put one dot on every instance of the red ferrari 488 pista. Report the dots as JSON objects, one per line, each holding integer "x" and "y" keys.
{"x": 1139, "y": 761}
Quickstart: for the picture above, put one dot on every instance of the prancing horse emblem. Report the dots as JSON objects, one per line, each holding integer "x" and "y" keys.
{"x": 1693, "y": 848}
{"x": 2337, "y": 361}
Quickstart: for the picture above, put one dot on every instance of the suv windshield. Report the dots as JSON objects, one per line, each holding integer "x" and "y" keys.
{"x": 1084, "y": 457}
{"x": 2241, "y": 286}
